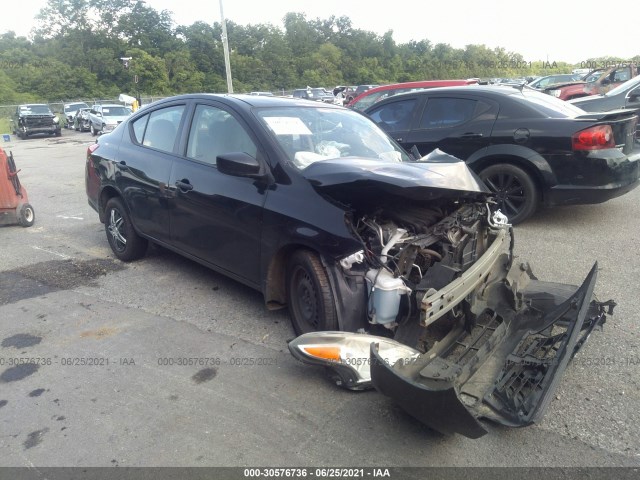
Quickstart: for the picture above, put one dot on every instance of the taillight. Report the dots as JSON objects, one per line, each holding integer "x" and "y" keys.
{"x": 594, "y": 138}
{"x": 92, "y": 148}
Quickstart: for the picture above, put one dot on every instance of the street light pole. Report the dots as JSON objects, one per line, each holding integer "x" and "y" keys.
{"x": 225, "y": 46}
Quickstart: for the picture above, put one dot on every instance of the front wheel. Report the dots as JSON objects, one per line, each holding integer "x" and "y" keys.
{"x": 125, "y": 243}
{"x": 27, "y": 216}
{"x": 515, "y": 191}
{"x": 93, "y": 130}
{"x": 309, "y": 297}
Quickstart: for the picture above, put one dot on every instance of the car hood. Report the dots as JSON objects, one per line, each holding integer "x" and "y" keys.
{"x": 435, "y": 176}
{"x": 556, "y": 86}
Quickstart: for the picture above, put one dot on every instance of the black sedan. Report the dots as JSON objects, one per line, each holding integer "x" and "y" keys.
{"x": 528, "y": 147}
{"x": 320, "y": 210}
{"x": 624, "y": 96}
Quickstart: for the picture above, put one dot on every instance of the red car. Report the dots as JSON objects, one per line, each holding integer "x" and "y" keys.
{"x": 368, "y": 98}
{"x": 597, "y": 82}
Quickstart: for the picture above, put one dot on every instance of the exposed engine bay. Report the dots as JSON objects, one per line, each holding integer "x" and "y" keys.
{"x": 457, "y": 329}
{"x": 415, "y": 251}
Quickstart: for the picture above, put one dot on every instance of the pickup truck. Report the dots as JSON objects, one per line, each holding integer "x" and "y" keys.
{"x": 34, "y": 118}
{"x": 596, "y": 82}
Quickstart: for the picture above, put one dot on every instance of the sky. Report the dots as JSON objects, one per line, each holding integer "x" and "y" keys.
{"x": 541, "y": 30}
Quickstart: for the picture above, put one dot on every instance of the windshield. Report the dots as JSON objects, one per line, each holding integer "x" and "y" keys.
{"x": 313, "y": 134}
{"x": 594, "y": 76}
{"x": 623, "y": 87}
{"x": 72, "y": 107}
{"x": 115, "y": 111}
{"x": 36, "y": 110}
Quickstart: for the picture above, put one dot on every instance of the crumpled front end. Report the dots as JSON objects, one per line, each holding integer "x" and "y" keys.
{"x": 458, "y": 330}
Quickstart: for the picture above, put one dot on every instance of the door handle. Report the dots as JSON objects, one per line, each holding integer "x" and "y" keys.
{"x": 471, "y": 135}
{"x": 184, "y": 185}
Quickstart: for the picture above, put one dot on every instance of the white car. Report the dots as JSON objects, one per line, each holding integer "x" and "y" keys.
{"x": 104, "y": 118}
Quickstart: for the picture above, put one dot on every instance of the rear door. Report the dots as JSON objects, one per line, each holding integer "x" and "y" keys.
{"x": 217, "y": 217}
{"x": 144, "y": 167}
{"x": 456, "y": 124}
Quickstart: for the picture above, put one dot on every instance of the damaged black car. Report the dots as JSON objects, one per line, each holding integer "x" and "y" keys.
{"x": 35, "y": 118}
{"x": 398, "y": 273}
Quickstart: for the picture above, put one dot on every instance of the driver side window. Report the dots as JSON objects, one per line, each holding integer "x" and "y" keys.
{"x": 214, "y": 132}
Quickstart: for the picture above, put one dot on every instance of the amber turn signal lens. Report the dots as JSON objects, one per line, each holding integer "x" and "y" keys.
{"x": 326, "y": 353}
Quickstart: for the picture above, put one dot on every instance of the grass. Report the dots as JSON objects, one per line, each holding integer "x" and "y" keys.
{"x": 4, "y": 126}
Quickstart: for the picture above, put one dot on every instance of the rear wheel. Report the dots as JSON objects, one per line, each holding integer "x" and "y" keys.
{"x": 26, "y": 216}
{"x": 309, "y": 297}
{"x": 125, "y": 243}
{"x": 515, "y": 191}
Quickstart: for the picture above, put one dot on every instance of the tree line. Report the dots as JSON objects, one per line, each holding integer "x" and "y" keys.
{"x": 75, "y": 52}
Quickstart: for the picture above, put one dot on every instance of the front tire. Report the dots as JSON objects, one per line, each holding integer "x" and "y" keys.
{"x": 309, "y": 297}
{"x": 515, "y": 191}
{"x": 93, "y": 130}
{"x": 125, "y": 243}
{"x": 27, "y": 215}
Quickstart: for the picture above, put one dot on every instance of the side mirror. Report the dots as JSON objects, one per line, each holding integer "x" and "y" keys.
{"x": 239, "y": 164}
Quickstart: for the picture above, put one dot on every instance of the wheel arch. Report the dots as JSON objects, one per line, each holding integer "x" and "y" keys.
{"x": 537, "y": 167}
{"x": 275, "y": 280}
{"x": 349, "y": 290}
{"x": 107, "y": 193}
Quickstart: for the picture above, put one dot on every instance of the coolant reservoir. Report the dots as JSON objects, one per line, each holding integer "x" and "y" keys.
{"x": 384, "y": 295}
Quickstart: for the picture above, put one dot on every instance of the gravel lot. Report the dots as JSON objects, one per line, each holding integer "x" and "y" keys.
{"x": 108, "y": 388}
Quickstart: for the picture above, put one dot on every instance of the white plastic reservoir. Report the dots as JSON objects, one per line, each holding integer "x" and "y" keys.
{"x": 384, "y": 295}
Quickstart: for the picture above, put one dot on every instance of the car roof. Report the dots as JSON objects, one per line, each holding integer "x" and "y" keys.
{"x": 491, "y": 90}
{"x": 245, "y": 100}
{"x": 420, "y": 83}
{"x": 417, "y": 84}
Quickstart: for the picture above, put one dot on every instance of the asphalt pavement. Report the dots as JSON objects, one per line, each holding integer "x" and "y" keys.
{"x": 162, "y": 362}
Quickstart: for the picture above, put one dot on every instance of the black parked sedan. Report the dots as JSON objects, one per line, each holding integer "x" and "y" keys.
{"x": 528, "y": 147}
{"x": 317, "y": 208}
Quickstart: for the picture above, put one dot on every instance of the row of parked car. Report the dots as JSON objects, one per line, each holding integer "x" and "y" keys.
{"x": 101, "y": 118}
{"x": 38, "y": 119}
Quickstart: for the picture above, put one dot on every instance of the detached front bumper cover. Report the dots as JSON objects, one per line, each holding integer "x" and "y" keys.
{"x": 503, "y": 366}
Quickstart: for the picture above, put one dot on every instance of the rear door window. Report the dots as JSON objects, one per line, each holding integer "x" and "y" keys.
{"x": 394, "y": 116}
{"x": 447, "y": 112}
{"x": 159, "y": 129}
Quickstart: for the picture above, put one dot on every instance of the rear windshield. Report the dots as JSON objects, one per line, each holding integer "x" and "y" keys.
{"x": 549, "y": 106}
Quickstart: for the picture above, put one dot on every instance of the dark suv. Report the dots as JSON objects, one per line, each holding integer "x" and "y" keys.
{"x": 528, "y": 147}
{"x": 33, "y": 118}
